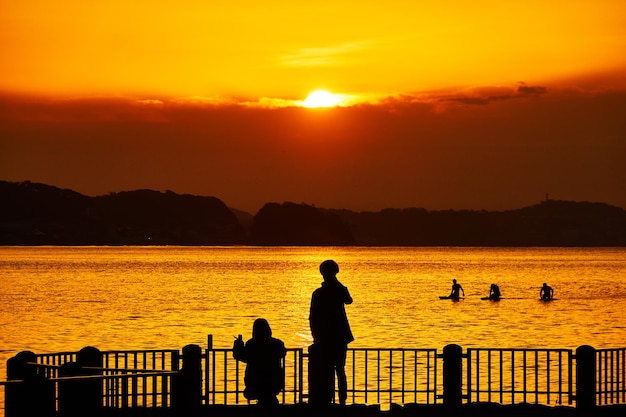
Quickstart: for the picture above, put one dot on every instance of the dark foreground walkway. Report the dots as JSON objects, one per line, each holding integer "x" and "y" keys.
{"x": 409, "y": 410}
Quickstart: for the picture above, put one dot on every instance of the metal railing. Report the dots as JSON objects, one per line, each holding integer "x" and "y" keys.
{"x": 139, "y": 378}
{"x": 223, "y": 381}
{"x": 540, "y": 376}
{"x": 375, "y": 376}
{"x": 611, "y": 376}
{"x": 144, "y": 378}
{"x": 387, "y": 376}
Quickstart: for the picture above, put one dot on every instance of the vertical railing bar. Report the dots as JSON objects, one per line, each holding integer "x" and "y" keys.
{"x": 390, "y": 375}
{"x": 598, "y": 360}
{"x": 435, "y": 375}
{"x": 560, "y": 380}
{"x": 512, "y": 377}
{"x": 601, "y": 373}
{"x": 548, "y": 379}
{"x": 144, "y": 381}
{"x": 301, "y": 371}
{"x": 213, "y": 375}
{"x": 524, "y": 374}
{"x": 537, "y": 378}
{"x": 402, "y": 374}
{"x": 570, "y": 373}
{"x": 151, "y": 393}
{"x": 415, "y": 377}
{"x": 501, "y": 370}
{"x": 612, "y": 377}
{"x": 133, "y": 381}
{"x": 489, "y": 377}
{"x": 605, "y": 376}
{"x": 537, "y": 383}
{"x": 477, "y": 372}
{"x": 378, "y": 375}
{"x": 353, "y": 375}
{"x": 366, "y": 375}
{"x": 606, "y": 364}
{"x": 623, "y": 380}
{"x": 608, "y": 378}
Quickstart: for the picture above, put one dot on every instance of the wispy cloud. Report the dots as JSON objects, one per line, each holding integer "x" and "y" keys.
{"x": 324, "y": 56}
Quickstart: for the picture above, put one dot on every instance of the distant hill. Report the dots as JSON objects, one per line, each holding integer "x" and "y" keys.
{"x": 39, "y": 214}
{"x": 299, "y": 224}
{"x": 549, "y": 223}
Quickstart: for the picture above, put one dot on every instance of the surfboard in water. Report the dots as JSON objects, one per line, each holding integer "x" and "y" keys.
{"x": 447, "y": 297}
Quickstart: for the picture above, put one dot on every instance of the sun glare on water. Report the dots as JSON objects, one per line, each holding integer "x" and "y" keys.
{"x": 321, "y": 98}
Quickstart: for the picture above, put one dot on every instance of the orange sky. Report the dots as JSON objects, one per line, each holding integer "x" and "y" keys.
{"x": 483, "y": 104}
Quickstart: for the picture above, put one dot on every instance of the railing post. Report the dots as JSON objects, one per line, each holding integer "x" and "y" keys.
{"x": 187, "y": 384}
{"x": 452, "y": 375}
{"x": 82, "y": 396}
{"x": 585, "y": 377}
{"x": 34, "y": 394}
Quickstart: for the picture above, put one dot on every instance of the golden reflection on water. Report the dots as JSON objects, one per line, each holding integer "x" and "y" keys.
{"x": 63, "y": 299}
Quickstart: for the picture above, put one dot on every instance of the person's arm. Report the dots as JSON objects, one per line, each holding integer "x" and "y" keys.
{"x": 313, "y": 317}
{"x": 463, "y": 291}
{"x": 239, "y": 350}
{"x": 348, "y": 297}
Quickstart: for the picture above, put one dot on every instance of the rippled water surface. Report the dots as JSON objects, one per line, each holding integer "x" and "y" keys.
{"x": 65, "y": 298}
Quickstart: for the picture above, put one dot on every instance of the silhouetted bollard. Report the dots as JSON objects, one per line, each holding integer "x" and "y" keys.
{"x": 585, "y": 377}
{"x": 34, "y": 395}
{"x": 187, "y": 384}
{"x": 81, "y": 396}
{"x": 452, "y": 375}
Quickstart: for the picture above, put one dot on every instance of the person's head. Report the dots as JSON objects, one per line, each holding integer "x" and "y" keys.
{"x": 329, "y": 269}
{"x": 545, "y": 285}
{"x": 261, "y": 329}
{"x": 454, "y": 281}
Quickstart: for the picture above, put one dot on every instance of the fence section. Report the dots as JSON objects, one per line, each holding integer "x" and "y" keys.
{"x": 540, "y": 376}
{"x": 387, "y": 376}
{"x": 138, "y": 378}
{"x": 224, "y": 378}
{"x": 611, "y": 376}
{"x": 160, "y": 378}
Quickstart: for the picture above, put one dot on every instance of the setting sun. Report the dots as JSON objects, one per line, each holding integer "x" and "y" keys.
{"x": 321, "y": 98}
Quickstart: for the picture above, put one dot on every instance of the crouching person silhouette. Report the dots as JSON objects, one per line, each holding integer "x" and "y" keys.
{"x": 263, "y": 355}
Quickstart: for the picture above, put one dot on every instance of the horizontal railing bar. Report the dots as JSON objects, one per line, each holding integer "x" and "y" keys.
{"x": 116, "y": 376}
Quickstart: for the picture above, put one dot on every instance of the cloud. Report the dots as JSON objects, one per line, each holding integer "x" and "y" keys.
{"x": 524, "y": 89}
{"x": 325, "y": 56}
{"x": 486, "y": 95}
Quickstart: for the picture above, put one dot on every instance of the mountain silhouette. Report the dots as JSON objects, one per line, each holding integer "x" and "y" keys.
{"x": 40, "y": 214}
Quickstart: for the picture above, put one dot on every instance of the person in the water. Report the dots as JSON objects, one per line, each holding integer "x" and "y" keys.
{"x": 456, "y": 290}
{"x": 494, "y": 292}
{"x": 546, "y": 293}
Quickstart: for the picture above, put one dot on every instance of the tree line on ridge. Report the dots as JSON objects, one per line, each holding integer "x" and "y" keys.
{"x": 40, "y": 214}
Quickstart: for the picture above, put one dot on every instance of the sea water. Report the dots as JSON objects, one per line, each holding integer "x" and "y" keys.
{"x": 65, "y": 298}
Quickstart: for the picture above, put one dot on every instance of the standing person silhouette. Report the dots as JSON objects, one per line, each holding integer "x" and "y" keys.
{"x": 456, "y": 288}
{"x": 546, "y": 293}
{"x": 331, "y": 334}
{"x": 263, "y": 354}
